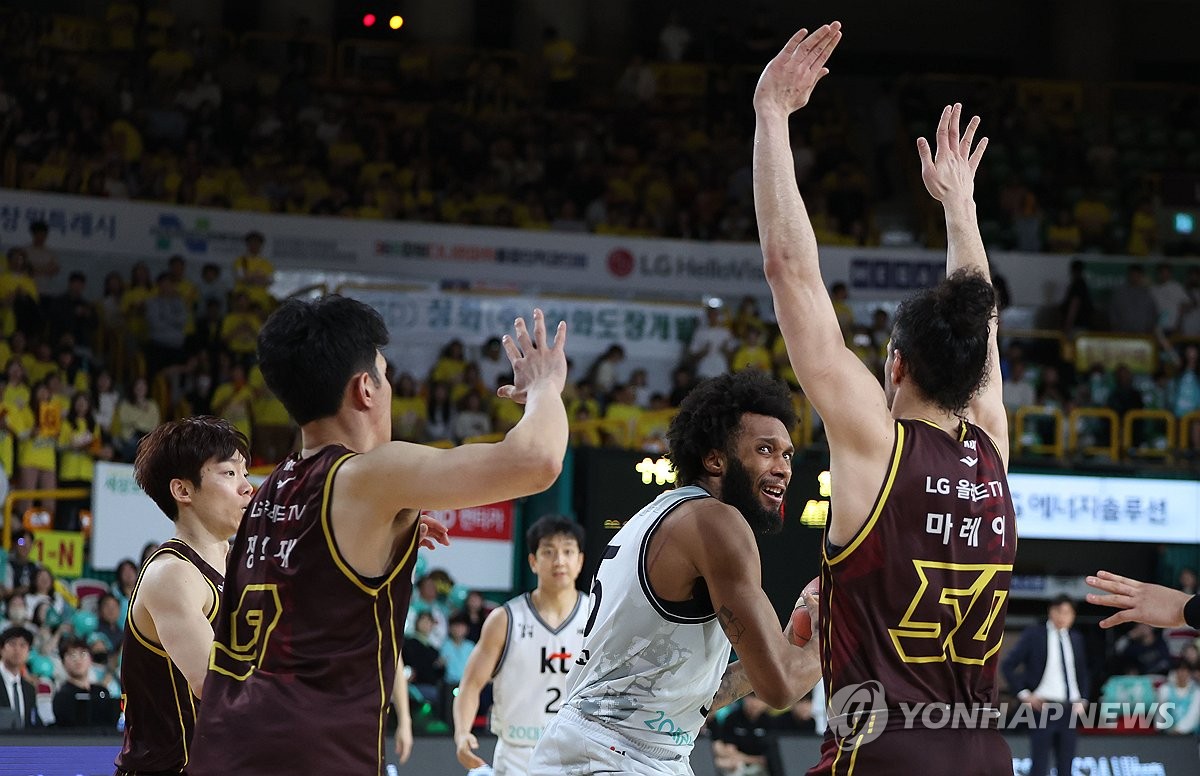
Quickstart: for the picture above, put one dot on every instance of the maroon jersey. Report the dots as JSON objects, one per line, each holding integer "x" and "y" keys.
{"x": 915, "y": 603}
{"x": 160, "y": 710}
{"x": 305, "y": 652}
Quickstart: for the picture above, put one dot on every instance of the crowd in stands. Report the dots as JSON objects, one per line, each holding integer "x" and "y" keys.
{"x": 658, "y": 146}
{"x": 66, "y": 638}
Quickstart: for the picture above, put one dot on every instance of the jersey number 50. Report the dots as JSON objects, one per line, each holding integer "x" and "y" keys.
{"x": 974, "y": 594}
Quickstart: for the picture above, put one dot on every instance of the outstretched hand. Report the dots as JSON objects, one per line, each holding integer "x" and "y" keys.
{"x": 788, "y": 80}
{"x": 534, "y": 358}
{"x": 1137, "y": 601}
{"x": 950, "y": 173}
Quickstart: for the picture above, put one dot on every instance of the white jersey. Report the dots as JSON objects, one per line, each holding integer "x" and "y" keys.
{"x": 649, "y": 668}
{"x": 531, "y": 676}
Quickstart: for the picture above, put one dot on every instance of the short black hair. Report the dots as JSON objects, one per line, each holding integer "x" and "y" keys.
{"x": 943, "y": 333}
{"x": 1060, "y": 599}
{"x": 179, "y": 449}
{"x": 547, "y": 526}
{"x": 15, "y": 632}
{"x": 69, "y": 643}
{"x": 309, "y": 350}
{"x": 710, "y": 415}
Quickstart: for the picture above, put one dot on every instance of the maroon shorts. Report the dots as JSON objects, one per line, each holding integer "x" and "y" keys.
{"x": 919, "y": 750}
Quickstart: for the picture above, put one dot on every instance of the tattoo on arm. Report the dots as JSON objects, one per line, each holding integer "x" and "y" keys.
{"x": 734, "y": 685}
{"x": 733, "y": 627}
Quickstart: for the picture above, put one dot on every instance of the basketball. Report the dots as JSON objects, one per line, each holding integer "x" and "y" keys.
{"x": 800, "y": 623}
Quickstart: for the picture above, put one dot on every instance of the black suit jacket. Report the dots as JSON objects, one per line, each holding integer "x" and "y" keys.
{"x": 30, "y": 701}
{"x": 1025, "y": 663}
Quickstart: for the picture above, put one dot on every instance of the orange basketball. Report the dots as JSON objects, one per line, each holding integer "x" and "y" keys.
{"x": 801, "y": 622}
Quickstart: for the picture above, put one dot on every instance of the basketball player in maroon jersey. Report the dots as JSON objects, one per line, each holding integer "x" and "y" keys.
{"x": 195, "y": 471}
{"x": 920, "y": 543}
{"x": 320, "y": 572}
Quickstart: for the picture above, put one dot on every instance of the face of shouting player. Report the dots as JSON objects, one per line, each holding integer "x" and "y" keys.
{"x": 757, "y": 472}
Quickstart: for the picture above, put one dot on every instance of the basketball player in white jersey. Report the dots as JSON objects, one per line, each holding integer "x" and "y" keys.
{"x": 678, "y": 585}
{"x": 526, "y": 649}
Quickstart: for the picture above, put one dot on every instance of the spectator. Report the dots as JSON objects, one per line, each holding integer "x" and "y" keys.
{"x": 45, "y": 591}
{"x": 456, "y": 649}
{"x": 42, "y": 260}
{"x": 19, "y": 695}
{"x": 559, "y": 54}
{"x": 682, "y": 382}
{"x": 18, "y": 577}
{"x": 1142, "y": 651}
{"x": 19, "y": 296}
{"x": 712, "y": 345}
{"x": 80, "y": 702}
{"x": 254, "y": 273}
{"x": 674, "y": 39}
{"x": 109, "y": 625}
{"x": 105, "y": 398}
{"x": 428, "y": 600}
{"x": 1076, "y": 308}
{"x": 1064, "y": 235}
{"x": 1182, "y": 694}
{"x": 409, "y": 411}
{"x": 1188, "y": 581}
{"x": 439, "y": 414}
{"x": 471, "y": 420}
{"x": 1018, "y": 390}
{"x": 72, "y": 313}
{"x": 1170, "y": 298}
{"x": 233, "y": 399}
{"x": 751, "y": 354}
{"x": 133, "y": 304}
{"x": 239, "y": 329}
{"x": 166, "y": 321}
{"x": 135, "y": 417}
{"x": 744, "y": 741}
{"x": 213, "y": 289}
{"x": 421, "y": 656}
{"x": 1131, "y": 307}
{"x": 475, "y": 610}
{"x": 122, "y": 587}
{"x": 80, "y": 444}
{"x": 450, "y": 364}
{"x": 36, "y": 452}
{"x": 1189, "y": 323}
{"x": 603, "y": 372}
{"x": 16, "y": 614}
{"x": 1125, "y": 396}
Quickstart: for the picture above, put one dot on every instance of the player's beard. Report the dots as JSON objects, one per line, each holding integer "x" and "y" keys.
{"x": 739, "y": 492}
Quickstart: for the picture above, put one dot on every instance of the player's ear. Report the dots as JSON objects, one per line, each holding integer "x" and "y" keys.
{"x": 533, "y": 563}
{"x": 899, "y": 367}
{"x": 714, "y": 463}
{"x": 182, "y": 490}
{"x": 362, "y": 390}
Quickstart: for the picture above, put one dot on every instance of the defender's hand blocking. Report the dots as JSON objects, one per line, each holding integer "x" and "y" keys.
{"x": 1154, "y": 605}
{"x": 534, "y": 359}
{"x": 951, "y": 172}
{"x": 788, "y": 80}
{"x": 800, "y": 624}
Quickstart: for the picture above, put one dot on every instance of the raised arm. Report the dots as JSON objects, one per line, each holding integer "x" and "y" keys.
{"x": 949, "y": 176}
{"x": 400, "y": 475}
{"x": 176, "y": 598}
{"x": 726, "y": 556}
{"x": 845, "y": 394}
{"x": 480, "y": 666}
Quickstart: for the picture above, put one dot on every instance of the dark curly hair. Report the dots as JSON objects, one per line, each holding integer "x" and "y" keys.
{"x": 942, "y": 334}
{"x": 709, "y": 417}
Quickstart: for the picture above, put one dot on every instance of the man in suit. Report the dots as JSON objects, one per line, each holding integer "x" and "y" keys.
{"x": 1048, "y": 670}
{"x": 18, "y": 694}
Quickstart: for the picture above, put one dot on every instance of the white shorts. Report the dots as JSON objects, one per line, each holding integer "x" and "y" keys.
{"x": 572, "y": 745}
{"x": 510, "y": 760}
